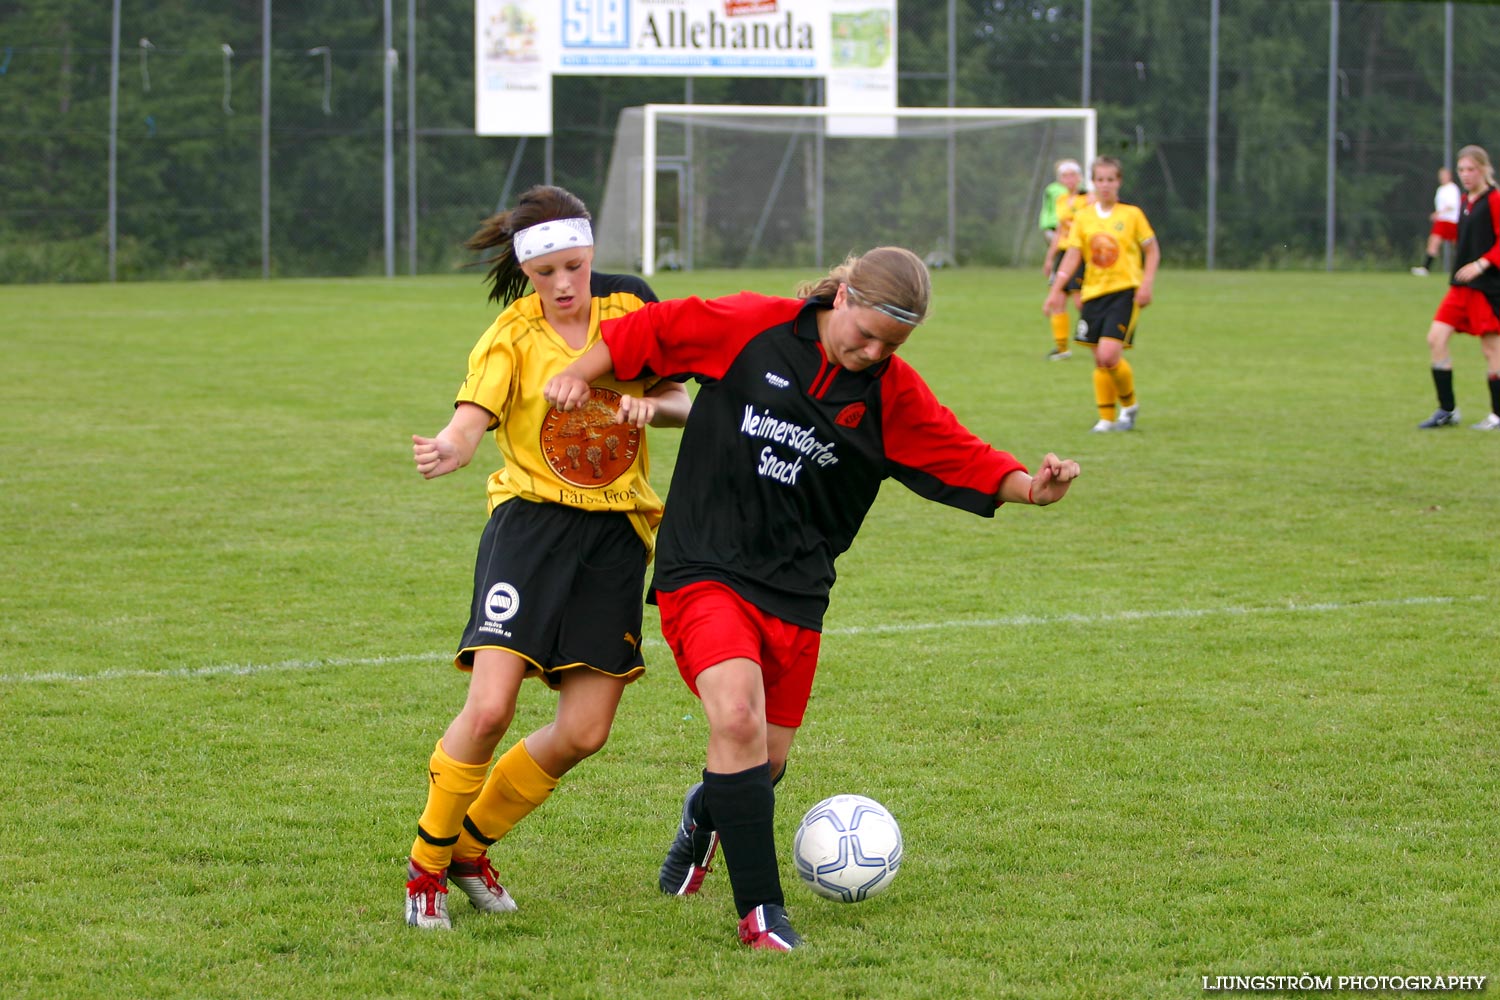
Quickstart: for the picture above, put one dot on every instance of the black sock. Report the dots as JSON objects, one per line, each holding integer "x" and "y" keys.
{"x": 1495, "y": 392}
{"x": 743, "y": 807}
{"x": 699, "y": 808}
{"x": 1428, "y": 262}
{"x": 1442, "y": 378}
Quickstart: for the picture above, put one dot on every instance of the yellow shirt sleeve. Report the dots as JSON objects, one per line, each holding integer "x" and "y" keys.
{"x": 491, "y": 374}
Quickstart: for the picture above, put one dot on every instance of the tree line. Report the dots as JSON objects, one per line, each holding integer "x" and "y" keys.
{"x": 189, "y": 124}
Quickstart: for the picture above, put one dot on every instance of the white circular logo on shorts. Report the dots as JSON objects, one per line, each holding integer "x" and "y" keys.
{"x": 501, "y": 603}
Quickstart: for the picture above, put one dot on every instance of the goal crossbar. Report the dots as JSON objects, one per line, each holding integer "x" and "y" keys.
{"x": 849, "y": 120}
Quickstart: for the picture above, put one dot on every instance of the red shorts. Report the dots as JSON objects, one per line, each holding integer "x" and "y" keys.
{"x": 707, "y": 623}
{"x": 1467, "y": 311}
{"x": 1445, "y": 231}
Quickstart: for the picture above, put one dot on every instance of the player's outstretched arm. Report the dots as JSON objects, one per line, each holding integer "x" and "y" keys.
{"x": 665, "y": 404}
{"x": 569, "y": 388}
{"x": 1049, "y": 484}
{"x": 454, "y": 445}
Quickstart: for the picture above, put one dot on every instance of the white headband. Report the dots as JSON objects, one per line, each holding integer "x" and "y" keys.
{"x": 556, "y": 234}
{"x": 1066, "y": 165}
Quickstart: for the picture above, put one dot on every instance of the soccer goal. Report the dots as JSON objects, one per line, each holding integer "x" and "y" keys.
{"x": 740, "y": 186}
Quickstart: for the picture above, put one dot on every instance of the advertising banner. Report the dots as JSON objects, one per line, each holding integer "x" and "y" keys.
{"x": 521, "y": 44}
{"x": 513, "y": 66}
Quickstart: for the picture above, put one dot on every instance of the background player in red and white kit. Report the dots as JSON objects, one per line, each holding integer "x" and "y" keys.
{"x": 1472, "y": 303}
{"x": 1446, "y": 203}
{"x": 803, "y": 410}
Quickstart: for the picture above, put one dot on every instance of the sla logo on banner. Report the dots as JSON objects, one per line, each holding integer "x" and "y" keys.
{"x": 603, "y": 24}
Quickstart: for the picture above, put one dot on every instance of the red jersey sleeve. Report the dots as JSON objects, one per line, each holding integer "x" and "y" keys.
{"x": 934, "y": 455}
{"x": 691, "y": 336}
{"x": 1493, "y": 253}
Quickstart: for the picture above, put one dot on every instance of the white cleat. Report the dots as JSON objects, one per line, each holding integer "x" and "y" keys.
{"x": 1127, "y": 418}
{"x": 1489, "y": 423}
{"x": 427, "y": 899}
{"x": 477, "y": 880}
{"x": 1103, "y": 427}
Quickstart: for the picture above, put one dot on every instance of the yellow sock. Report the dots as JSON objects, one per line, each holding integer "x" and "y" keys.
{"x": 517, "y": 785}
{"x": 1104, "y": 393}
{"x": 1060, "y": 330}
{"x": 1124, "y": 378}
{"x": 451, "y": 786}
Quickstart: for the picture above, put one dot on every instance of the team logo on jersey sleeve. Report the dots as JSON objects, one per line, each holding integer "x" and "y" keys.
{"x": 586, "y": 447}
{"x": 1103, "y": 250}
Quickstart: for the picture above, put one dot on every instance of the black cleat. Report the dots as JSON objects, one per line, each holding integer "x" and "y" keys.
{"x": 692, "y": 851}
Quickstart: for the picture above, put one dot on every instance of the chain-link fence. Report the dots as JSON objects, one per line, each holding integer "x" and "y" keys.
{"x": 1298, "y": 85}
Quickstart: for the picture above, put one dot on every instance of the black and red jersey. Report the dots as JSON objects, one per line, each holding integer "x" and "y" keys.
{"x": 1478, "y": 234}
{"x": 784, "y": 451}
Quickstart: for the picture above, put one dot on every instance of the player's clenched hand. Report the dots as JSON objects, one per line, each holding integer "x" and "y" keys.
{"x": 1051, "y": 481}
{"x": 434, "y": 456}
{"x": 637, "y": 410}
{"x": 566, "y": 392}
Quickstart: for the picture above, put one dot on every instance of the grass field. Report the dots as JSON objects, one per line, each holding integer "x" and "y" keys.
{"x": 1230, "y": 709}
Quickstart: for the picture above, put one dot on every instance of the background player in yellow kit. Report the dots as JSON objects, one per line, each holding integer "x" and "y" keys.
{"x": 1066, "y": 205}
{"x": 1116, "y": 243}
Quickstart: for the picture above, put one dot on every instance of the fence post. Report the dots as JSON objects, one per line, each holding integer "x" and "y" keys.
{"x": 388, "y": 128}
{"x": 1213, "y": 133}
{"x": 411, "y": 136}
{"x": 112, "y": 221}
{"x": 265, "y": 139}
{"x": 1333, "y": 121}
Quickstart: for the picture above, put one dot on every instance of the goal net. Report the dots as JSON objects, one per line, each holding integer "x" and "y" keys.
{"x": 737, "y": 186}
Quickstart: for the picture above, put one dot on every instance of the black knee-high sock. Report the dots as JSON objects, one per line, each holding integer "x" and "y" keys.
{"x": 1495, "y": 392}
{"x": 1442, "y": 378}
{"x": 699, "y": 808}
{"x": 743, "y": 807}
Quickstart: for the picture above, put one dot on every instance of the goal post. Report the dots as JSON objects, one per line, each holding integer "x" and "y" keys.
{"x": 733, "y": 186}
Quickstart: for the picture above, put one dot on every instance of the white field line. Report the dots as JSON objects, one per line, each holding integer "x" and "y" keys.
{"x": 1008, "y": 621}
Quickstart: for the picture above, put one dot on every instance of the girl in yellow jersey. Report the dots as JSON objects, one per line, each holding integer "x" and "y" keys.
{"x": 1068, "y": 204}
{"x": 1121, "y": 255}
{"x": 561, "y": 567}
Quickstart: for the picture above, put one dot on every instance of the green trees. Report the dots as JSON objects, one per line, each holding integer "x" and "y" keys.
{"x": 190, "y": 118}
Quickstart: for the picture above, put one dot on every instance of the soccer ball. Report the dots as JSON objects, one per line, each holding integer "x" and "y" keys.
{"x": 848, "y": 848}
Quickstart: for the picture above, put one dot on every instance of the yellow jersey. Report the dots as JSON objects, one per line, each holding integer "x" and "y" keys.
{"x": 1111, "y": 245}
{"x": 581, "y": 458}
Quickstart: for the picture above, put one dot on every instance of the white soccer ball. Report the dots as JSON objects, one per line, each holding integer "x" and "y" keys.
{"x": 848, "y": 848}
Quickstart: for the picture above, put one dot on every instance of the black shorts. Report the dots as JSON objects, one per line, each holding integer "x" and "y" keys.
{"x": 1074, "y": 283}
{"x": 560, "y": 588}
{"x": 1112, "y": 315}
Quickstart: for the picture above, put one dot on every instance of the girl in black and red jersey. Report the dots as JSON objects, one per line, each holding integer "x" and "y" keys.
{"x": 803, "y": 410}
{"x": 1472, "y": 303}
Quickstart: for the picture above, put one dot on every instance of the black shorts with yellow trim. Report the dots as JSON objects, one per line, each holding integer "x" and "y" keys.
{"x": 559, "y": 587}
{"x": 1111, "y": 315}
{"x": 1075, "y": 283}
